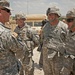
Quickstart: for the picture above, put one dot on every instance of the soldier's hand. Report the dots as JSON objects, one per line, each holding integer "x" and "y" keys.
{"x": 14, "y": 34}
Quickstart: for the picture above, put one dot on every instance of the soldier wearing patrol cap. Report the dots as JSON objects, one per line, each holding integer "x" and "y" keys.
{"x": 31, "y": 38}
{"x": 9, "y": 44}
{"x": 70, "y": 44}
{"x": 53, "y": 38}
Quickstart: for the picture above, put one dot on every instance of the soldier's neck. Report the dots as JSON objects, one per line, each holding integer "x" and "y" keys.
{"x": 20, "y": 26}
{"x": 55, "y": 22}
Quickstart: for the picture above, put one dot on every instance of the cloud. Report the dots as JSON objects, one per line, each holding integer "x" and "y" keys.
{"x": 40, "y": 6}
{"x": 33, "y": 6}
{"x": 67, "y": 5}
{"x": 19, "y": 4}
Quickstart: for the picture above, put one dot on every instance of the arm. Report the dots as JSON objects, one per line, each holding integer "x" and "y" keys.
{"x": 33, "y": 36}
{"x": 12, "y": 43}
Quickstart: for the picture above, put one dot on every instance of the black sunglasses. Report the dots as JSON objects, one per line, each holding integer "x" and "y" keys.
{"x": 7, "y": 10}
{"x": 70, "y": 20}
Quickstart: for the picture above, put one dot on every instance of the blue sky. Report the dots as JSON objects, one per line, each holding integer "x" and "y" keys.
{"x": 40, "y": 6}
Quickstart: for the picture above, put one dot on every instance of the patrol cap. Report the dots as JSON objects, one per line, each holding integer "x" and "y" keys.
{"x": 53, "y": 9}
{"x": 5, "y": 4}
{"x": 70, "y": 13}
{"x": 20, "y": 16}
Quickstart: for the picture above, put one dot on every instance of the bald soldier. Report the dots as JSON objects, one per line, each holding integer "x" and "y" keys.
{"x": 9, "y": 44}
{"x": 53, "y": 37}
{"x": 31, "y": 38}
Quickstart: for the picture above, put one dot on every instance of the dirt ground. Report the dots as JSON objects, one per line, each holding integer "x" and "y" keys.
{"x": 36, "y": 57}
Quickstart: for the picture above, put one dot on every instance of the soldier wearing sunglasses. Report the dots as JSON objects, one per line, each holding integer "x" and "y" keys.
{"x": 70, "y": 43}
{"x": 5, "y": 9}
{"x": 71, "y": 19}
{"x": 9, "y": 44}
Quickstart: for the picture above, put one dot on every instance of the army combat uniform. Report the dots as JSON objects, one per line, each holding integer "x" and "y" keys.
{"x": 31, "y": 38}
{"x": 53, "y": 48}
{"x": 69, "y": 56}
{"x": 9, "y": 45}
{"x": 70, "y": 42}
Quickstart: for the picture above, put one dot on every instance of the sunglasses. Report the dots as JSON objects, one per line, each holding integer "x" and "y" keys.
{"x": 70, "y": 20}
{"x": 7, "y": 10}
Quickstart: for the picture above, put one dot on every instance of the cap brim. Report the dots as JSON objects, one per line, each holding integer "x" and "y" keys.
{"x": 9, "y": 8}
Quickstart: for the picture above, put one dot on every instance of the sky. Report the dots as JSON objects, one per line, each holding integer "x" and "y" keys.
{"x": 40, "y": 6}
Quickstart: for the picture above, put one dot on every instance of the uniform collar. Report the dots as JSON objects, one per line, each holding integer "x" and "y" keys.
{"x": 4, "y": 25}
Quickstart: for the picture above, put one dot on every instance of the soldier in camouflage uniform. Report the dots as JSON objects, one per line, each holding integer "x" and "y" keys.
{"x": 9, "y": 44}
{"x": 53, "y": 37}
{"x": 70, "y": 43}
{"x": 31, "y": 38}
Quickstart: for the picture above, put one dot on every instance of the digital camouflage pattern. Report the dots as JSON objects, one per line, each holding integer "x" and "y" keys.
{"x": 70, "y": 13}
{"x": 5, "y": 4}
{"x": 20, "y": 16}
{"x": 53, "y": 38}
{"x": 69, "y": 60}
{"x": 9, "y": 45}
{"x": 53, "y": 9}
{"x": 70, "y": 43}
{"x": 31, "y": 38}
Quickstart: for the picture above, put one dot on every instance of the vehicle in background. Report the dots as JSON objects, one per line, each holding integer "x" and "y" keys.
{"x": 34, "y": 20}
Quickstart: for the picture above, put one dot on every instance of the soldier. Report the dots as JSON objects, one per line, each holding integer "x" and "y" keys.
{"x": 70, "y": 45}
{"x": 31, "y": 38}
{"x": 53, "y": 37}
{"x": 9, "y": 44}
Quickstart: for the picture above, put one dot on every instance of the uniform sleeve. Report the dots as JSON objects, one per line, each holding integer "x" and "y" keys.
{"x": 32, "y": 34}
{"x": 12, "y": 44}
{"x": 70, "y": 45}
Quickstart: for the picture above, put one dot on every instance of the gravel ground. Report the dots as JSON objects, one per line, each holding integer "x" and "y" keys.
{"x": 36, "y": 57}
